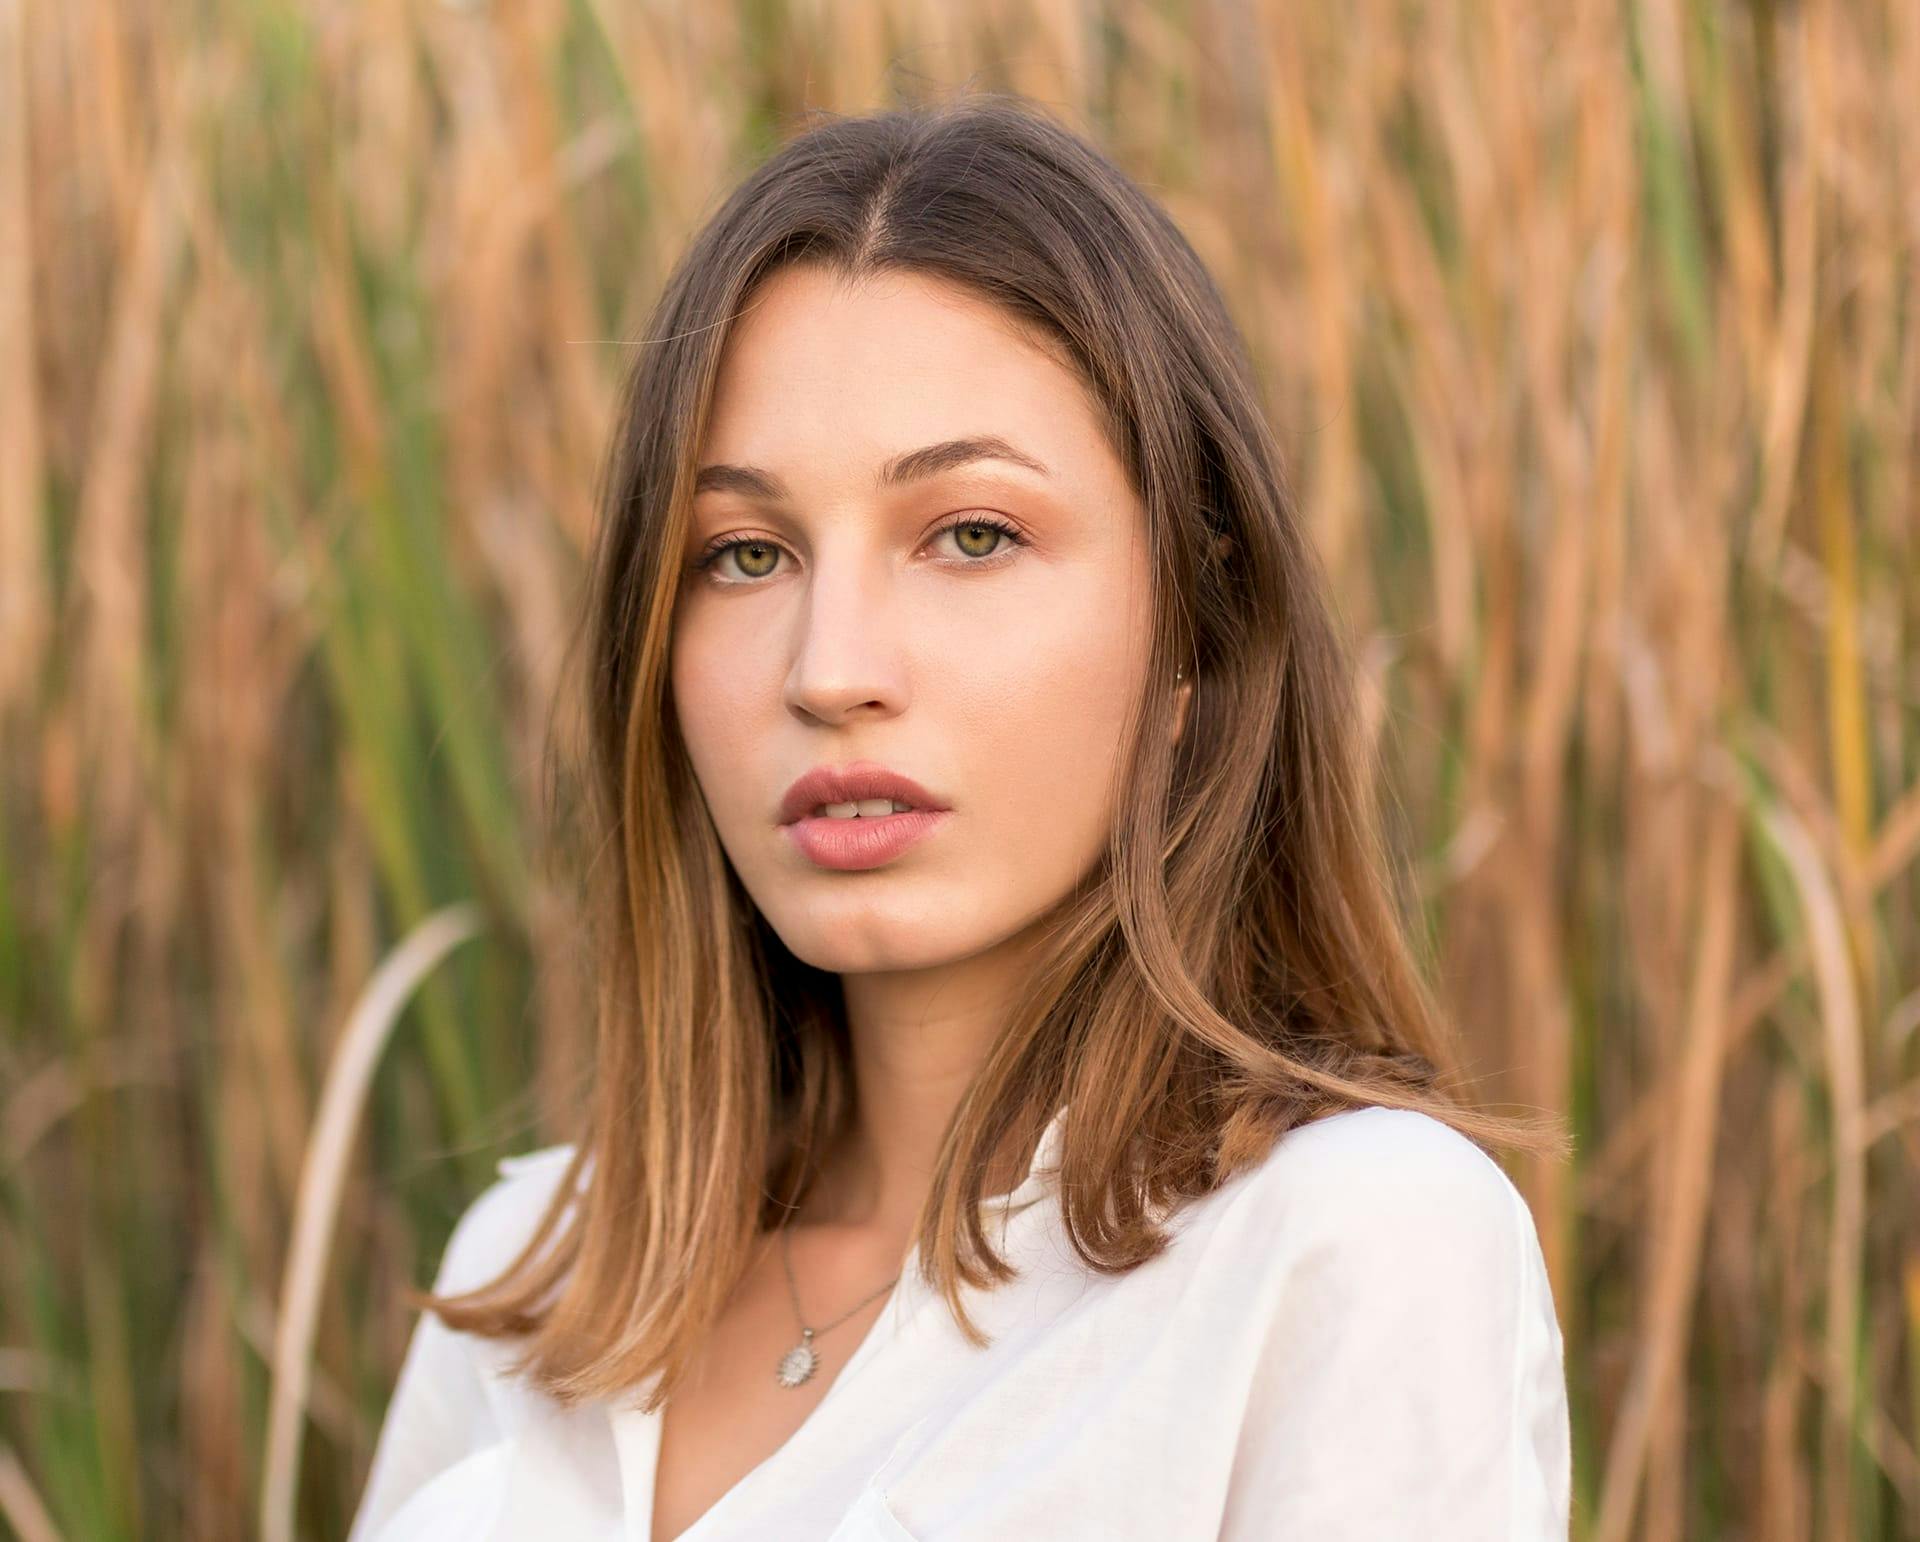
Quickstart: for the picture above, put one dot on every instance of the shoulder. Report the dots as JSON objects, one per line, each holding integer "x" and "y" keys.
{"x": 1382, "y": 1151}
{"x": 492, "y": 1229}
{"x": 1394, "y": 1188}
{"x": 1389, "y": 1222}
{"x": 1399, "y": 1305}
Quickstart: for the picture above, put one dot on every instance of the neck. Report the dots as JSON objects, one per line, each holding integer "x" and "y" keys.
{"x": 919, "y": 1038}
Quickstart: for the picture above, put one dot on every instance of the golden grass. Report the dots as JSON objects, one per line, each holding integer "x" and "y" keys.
{"x": 1590, "y": 331}
{"x": 323, "y": 1178}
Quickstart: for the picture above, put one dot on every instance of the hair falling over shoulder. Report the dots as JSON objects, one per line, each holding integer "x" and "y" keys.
{"x": 1238, "y": 964}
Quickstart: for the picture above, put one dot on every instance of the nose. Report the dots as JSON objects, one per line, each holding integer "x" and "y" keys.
{"x": 847, "y": 658}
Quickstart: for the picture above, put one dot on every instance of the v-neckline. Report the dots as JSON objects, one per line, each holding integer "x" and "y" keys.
{"x": 637, "y": 1434}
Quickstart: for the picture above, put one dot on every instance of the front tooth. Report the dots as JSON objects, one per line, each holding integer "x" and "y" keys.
{"x": 864, "y": 808}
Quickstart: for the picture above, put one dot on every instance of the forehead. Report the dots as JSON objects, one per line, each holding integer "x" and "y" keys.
{"x": 818, "y": 366}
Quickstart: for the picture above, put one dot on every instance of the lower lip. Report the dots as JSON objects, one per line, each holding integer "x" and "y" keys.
{"x": 849, "y": 845}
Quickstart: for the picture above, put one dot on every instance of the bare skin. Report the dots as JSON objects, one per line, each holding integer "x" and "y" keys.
{"x": 732, "y": 1413}
{"x": 997, "y": 673}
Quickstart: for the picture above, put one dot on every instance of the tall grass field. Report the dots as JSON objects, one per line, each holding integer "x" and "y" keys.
{"x": 1592, "y": 330}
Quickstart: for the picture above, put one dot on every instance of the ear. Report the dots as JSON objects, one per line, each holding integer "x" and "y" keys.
{"x": 1182, "y": 699}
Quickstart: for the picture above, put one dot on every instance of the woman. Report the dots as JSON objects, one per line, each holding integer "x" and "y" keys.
{"x": 1017, "y": 1112}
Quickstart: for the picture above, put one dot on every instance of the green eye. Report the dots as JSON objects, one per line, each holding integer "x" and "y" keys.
{"x": 756, "y": 558}
{"x": 982, "y": 539}
{"x": 753, "y": 553}
{"x": 983, "y": 542}
{"x": 978, "y": 530}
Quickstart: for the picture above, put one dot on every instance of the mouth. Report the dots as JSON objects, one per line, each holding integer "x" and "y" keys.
{"x": 864, "y": 808}
{"x": 857, "y": 841}
{"x": 861, "y": 790}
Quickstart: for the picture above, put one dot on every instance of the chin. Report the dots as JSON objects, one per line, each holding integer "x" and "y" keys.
{"x": 853, "y": 939}
{"x": 872, "y": 952}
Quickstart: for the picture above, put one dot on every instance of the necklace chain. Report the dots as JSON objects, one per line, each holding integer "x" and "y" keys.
{"x": 800, "y": 1362}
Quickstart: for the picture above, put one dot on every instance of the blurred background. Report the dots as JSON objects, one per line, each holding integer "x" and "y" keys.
{"x": 1592, "y": 329}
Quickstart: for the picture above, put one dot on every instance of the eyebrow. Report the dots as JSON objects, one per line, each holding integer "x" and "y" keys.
{"x": 910, "y": 466}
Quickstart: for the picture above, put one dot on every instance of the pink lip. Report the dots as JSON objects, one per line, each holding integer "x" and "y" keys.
{"x": 849, "y": 784}
{"x": 848, "y": 845}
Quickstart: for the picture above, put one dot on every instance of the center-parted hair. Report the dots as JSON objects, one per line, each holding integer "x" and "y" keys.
{"x": 1236, "y": 963}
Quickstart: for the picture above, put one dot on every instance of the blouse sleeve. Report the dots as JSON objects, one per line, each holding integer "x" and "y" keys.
{"x": 1411, "y": 1381}
{"x": 440, "y": 1411}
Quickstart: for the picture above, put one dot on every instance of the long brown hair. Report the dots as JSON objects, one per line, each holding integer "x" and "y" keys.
{"x": 1235, "y": 965}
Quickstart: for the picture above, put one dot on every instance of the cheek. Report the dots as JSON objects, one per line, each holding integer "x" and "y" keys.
{"x": 1043, "y": 742}
{"x": 713, "y": 697}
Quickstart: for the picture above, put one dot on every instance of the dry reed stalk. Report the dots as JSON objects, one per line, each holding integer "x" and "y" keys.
{"x": 1841, "y": 1042}
{"x": 329, "y": 1151}
{"x": 26, "y": 610}
{"x": 1588, "y": 332}
{"x": 1656, "y": 1389}
{"x": 21, "y": 1504}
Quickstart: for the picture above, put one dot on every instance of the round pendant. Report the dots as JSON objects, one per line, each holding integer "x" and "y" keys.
{"x": 797, "y": 1364}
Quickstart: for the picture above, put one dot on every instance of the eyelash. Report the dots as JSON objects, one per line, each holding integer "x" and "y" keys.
{"x": 713, "y": 553}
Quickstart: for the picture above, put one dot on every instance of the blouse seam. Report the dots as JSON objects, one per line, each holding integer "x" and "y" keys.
{"x": 1523, "y": 1219}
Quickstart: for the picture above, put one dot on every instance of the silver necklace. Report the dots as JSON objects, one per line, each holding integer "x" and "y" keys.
{"x": 800, "y": 1362}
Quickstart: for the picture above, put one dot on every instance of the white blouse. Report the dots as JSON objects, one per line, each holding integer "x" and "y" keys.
{"x": 1354, "y": 1339}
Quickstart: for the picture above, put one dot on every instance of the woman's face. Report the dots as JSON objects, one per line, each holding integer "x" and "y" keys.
{"x": 873, "y": 614}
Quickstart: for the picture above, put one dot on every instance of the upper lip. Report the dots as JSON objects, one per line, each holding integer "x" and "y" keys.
{"x": 849, "y": 784}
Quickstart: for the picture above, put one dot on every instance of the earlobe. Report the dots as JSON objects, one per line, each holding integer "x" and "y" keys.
{"x": 1182, "y": 699}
